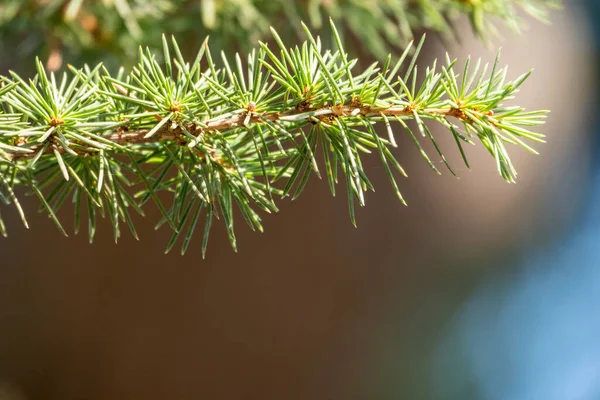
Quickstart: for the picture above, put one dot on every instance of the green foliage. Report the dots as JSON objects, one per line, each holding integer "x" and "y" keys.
{"x": 95, "y": 30}
{"x": 212, "y": 139}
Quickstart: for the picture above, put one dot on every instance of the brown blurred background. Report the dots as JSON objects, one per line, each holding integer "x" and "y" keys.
{"x": 312, "y": 308}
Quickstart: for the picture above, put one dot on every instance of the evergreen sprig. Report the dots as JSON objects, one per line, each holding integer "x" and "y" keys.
{"x": 199, "y": 140}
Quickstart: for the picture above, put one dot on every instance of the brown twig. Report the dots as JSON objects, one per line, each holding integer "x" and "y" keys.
{"x": 123, "y": 137}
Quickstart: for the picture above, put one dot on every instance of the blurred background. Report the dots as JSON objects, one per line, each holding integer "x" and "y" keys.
{"x": 477, "y": 290}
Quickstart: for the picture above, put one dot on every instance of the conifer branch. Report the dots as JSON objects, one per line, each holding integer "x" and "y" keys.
{"x": 209, "y": 137}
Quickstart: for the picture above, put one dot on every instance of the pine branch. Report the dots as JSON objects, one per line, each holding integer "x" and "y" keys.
{"x": 209, "y": 137}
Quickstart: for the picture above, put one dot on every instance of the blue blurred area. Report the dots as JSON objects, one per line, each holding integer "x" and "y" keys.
{"x": 535, "y": 334}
